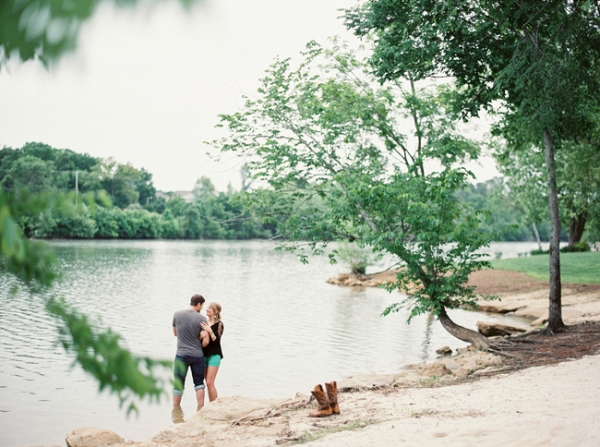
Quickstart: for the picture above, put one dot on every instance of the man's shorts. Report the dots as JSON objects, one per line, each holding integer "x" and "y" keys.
{"x": 182, "y": 363}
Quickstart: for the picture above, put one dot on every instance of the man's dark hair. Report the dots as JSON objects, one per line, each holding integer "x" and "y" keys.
{"x": 196, "y": 299}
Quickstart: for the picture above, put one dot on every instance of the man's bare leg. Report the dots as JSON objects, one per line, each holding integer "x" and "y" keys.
{"x": 176, "y": 401}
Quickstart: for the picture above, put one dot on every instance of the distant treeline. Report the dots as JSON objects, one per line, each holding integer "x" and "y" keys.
{"x": 103, "y": 199}
{"x": 94, "y": 198}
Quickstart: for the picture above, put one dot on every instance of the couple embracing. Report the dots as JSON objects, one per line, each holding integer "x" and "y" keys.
{"x": 198, "y": 348}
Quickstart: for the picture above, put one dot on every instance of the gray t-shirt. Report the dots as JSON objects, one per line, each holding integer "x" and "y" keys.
{"x": 187, "y": 322}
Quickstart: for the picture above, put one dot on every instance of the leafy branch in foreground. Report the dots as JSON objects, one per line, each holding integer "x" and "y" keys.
{"x": 99, "y": 352}
{"x": 30, "y": 261}
{"x": 45, "y": 30}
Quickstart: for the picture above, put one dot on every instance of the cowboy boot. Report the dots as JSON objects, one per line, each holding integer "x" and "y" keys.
{"x": 332, "y": 392}
{"x": 323, "y": 401}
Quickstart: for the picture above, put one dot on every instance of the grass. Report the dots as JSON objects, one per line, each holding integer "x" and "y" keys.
{"x": 312, "y": 436}
{"x": 575, "y": 268}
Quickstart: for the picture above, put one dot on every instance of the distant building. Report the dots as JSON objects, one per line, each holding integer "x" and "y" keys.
{"x": 188, "y": 196}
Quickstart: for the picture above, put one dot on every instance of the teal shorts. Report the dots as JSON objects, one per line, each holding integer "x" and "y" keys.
{"x": 212, "y": 360}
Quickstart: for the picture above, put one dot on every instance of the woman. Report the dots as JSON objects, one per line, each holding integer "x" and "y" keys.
{"x": 212, "y": 351}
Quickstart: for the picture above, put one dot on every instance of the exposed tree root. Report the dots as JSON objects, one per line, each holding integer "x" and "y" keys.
{"x": 538, "y": 349}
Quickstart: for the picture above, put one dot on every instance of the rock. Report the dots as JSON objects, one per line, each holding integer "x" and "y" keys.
{"x": 92, "y": 437}
{"x": 451, "y": 363}
{"x": 465, "y": 370}
{"x": 539, "y": 321}
{"x": 493, "y": 329}
{"x": 436, "y": 369}
{"x": 466, "y": 351}
{"x": 444, "y": 351}
{"x": 497, "y": 308}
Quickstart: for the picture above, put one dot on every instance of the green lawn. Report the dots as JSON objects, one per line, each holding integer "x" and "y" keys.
{"x": 581, "y": 268}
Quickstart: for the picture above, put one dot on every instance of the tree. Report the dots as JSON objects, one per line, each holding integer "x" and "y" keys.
{"x": 145, "y": 188}
{"x": 119, "y": 181}
{"x": 537, "y": 59}
{"x": 335, "y": 136}
{"x": 29, "y": 173}
{"x": 578, "y": 183}
{"x": 503, "y": 217}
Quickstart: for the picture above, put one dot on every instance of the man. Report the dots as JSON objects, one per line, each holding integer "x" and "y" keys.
{"x": 190, "y": 340}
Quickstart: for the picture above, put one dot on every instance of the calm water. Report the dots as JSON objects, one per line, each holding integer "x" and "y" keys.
{"x": 286, "y": 330}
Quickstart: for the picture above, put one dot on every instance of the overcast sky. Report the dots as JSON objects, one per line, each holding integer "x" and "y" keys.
{"x": 145, "y": 86}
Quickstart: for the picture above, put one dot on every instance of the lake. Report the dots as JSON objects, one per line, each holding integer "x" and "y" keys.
{"x": 286, "y": 329}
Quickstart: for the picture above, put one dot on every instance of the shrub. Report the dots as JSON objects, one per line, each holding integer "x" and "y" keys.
{"x": 576, "y": 247}
{"x": 356, "y": 258}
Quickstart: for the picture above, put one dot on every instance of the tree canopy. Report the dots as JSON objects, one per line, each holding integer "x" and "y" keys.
{"x": 378, "y": 165}
{"x": 537, "y": 60}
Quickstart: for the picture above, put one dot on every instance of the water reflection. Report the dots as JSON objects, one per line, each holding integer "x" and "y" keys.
{"x": 426, "y": 348}
{"x": 177, "y": 415}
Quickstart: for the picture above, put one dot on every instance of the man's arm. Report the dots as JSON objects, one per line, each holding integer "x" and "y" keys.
{"x": 174, "y": 331}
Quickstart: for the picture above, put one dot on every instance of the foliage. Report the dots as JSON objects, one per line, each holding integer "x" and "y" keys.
{"x": 45, "y": 30}
{"x": 329, "y": 142}
{"x": 578, "y": 183}
{"x": 113, "y": 200}
{"x": 576, "y": 268}
{"x": 29, "y": 173}
{"x": 536, "y": 62}
{"x": 100, "y": 353}
{"x": 31, "y": 261}
{"x": 502, "y": 217}
{"x": 355, "y": 257}
{"x": 577, "y": 247}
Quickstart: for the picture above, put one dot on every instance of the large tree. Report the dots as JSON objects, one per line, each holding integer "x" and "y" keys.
{"x": 537, "y": 59}
{"x": 343, "y": 158}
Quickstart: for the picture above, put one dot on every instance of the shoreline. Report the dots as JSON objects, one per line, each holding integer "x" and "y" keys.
{"x": 555, "y": 405}
{"x": 459, "y": 400}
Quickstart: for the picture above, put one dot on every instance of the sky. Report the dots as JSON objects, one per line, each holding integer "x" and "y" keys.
{"x": 146, "y": 86}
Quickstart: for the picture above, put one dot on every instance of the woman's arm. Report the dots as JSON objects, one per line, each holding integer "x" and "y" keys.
{"x": 204, "y": 337}
{"x": 208, "y": 329}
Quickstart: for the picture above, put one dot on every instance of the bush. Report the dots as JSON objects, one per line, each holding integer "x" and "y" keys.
{"x": 356, "y": 258}
{"x": 106, "y": 222}
{"x": 577, "y": 247}
{"x": 73, "y": 222}
{"x": 539, "y": 252}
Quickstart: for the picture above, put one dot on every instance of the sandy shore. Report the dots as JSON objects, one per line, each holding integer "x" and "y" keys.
{"x": 548, "y": 406}
{"x": 557, "y": 405}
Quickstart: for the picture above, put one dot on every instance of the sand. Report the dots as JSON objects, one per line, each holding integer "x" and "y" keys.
{"x": 556, "y": 405}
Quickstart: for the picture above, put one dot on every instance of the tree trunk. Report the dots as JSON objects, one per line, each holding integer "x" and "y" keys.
{"x": 537, "y": 236}
{"x": 576, "y": 227}
{"x": 555, "y": 322}
{"x": 462, "y": 333}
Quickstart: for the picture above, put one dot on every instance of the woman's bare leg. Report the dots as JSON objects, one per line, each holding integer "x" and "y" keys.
{"x": 211, "y": 375}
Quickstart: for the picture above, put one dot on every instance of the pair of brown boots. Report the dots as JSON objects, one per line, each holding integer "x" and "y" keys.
{"x": 328, "y": 403}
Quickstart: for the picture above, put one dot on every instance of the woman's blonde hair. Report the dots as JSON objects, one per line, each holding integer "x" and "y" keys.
{"x": 216, "y": 307}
